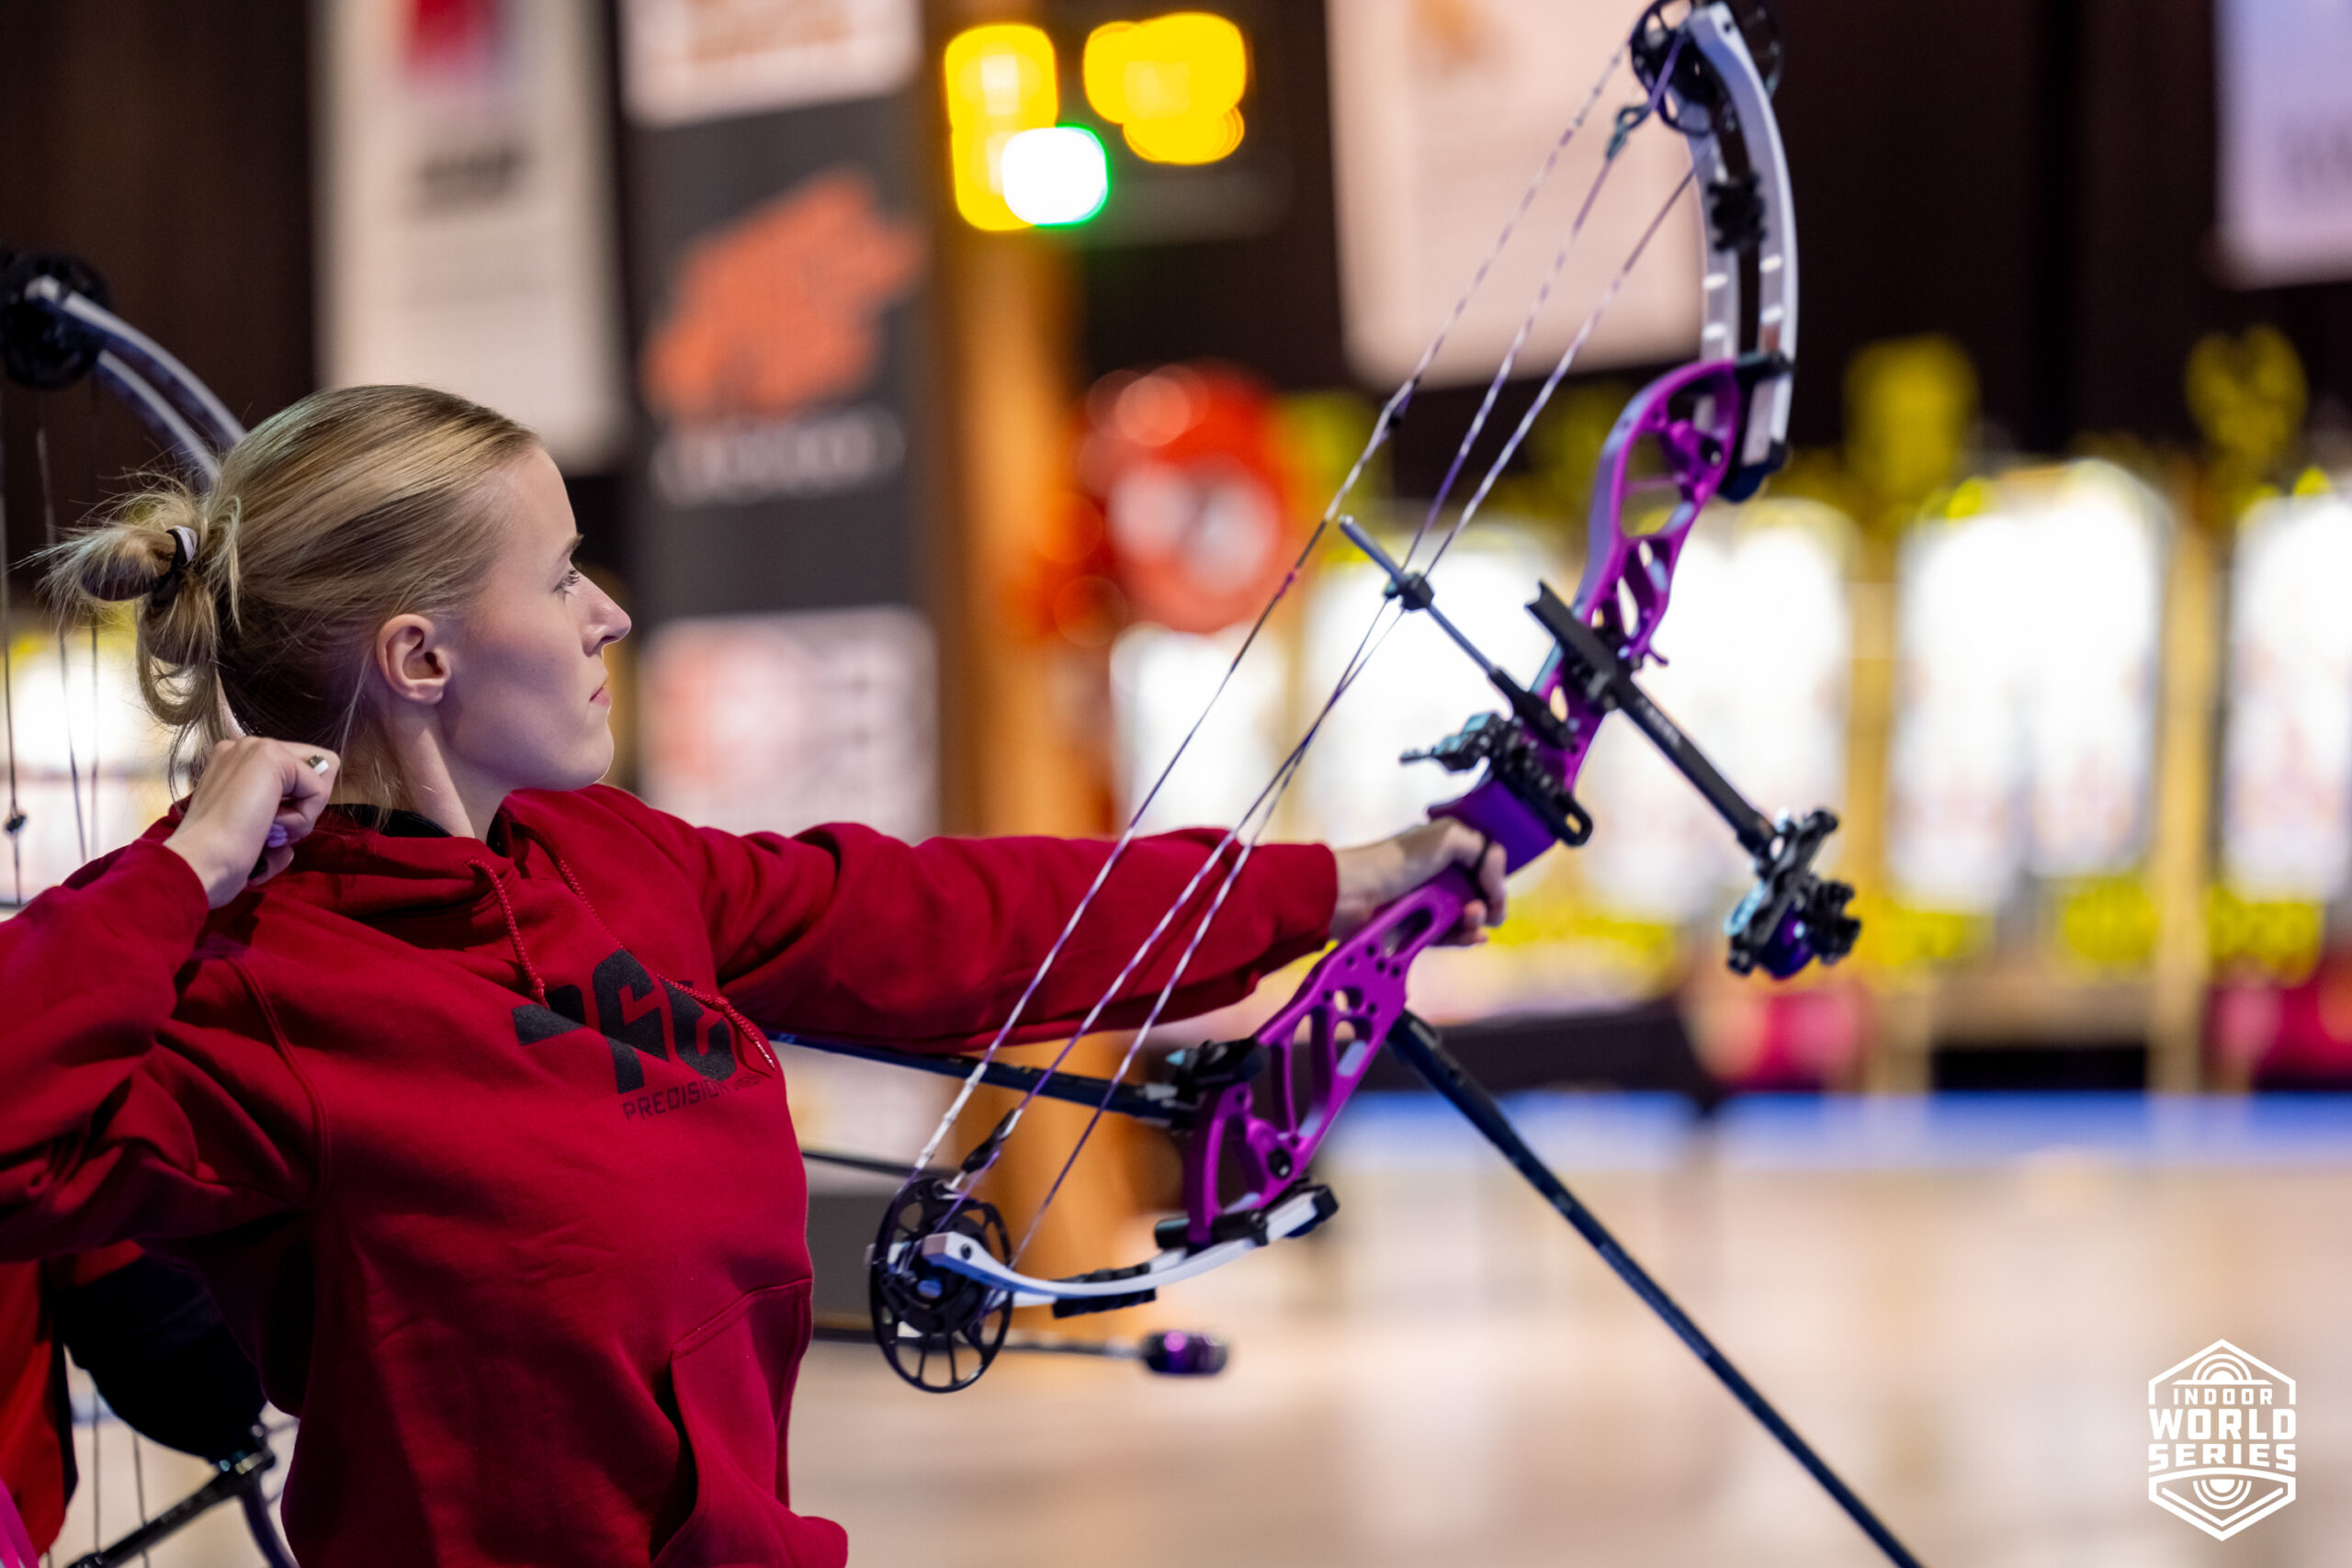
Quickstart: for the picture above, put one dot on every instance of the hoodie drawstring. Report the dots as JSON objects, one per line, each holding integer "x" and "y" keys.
{"x": 718, "y": 1003}
{"x": 514, "y": 931}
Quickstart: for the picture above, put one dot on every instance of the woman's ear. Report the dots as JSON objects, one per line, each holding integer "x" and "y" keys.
{"x": 412, "y": 660}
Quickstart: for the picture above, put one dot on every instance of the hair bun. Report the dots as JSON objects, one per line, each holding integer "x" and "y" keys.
{"x": 138, "y": 554}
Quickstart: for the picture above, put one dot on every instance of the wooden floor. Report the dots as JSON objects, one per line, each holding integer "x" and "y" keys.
{"x": 1446, "y": 1375}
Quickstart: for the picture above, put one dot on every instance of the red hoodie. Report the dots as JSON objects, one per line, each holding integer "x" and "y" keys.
{"x": 461, "y": 1138}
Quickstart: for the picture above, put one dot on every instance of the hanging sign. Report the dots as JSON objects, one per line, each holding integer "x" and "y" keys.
{"x": 693, "y": 59}
{"x": 1440, "y": 114}
{"x": 780, "y": 722}
{"x": 781, "y": 254}
{"x": 466, "y": 191}
{"x": 2286, "y": 140}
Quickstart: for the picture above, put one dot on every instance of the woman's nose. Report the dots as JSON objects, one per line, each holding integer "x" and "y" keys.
{"x": 612, "y": 622}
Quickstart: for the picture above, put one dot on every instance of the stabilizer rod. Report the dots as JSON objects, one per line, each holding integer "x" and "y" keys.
{"x": 1422, "y": 1048}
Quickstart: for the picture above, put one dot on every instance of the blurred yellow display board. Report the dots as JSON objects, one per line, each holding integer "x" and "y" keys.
{"x": 2029, "y": 654}
{"x": 2286, "y": 738}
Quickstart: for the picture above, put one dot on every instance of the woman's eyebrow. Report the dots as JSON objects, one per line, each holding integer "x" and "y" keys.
{"x": 570, "y": 544}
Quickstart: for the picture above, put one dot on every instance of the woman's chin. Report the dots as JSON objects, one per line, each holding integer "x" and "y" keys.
{"x": 577, "y": 773}
{"x": 600, "y": 760}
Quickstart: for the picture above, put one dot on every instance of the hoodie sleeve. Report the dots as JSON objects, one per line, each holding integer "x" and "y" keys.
{"x": 844, "y": 932}
{"x": 120, "y": 1119}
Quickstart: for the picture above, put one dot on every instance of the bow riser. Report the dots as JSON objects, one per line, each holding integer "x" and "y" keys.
{"x": 1315, "y": 1052}
{"x": 1689, "y": 419}
{"x": 1318, "y": 1048}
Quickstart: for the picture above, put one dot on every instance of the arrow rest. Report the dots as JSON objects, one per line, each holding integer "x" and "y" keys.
{"x": 1515, "y": 760}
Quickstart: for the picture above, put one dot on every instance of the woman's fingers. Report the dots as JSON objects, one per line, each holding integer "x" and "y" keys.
{"x": 1494, "y": 880}
{"x": 1470, "y": 930}
{"x": 306, "y": 782}
{"x": 257, "y": 798}
{"x": 1377, "y": 875}
{"x": 307, "y": 776}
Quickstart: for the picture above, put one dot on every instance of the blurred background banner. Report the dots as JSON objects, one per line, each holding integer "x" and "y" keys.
{"x": 2286, "y": 142}
{"x": 776, "y": 239}
{"x": 1442, "y": 110}
{"x": 779, "y": 722}
{"x": 466, "y": 211}
{"x": 696, "y": 59}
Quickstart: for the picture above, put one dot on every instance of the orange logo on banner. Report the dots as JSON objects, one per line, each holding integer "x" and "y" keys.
{"x": 779, "y": 310}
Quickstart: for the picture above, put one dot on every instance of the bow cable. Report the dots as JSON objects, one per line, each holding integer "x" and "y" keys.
{"x": 1390, "y": 412}
{"x": 1383, "y": 623}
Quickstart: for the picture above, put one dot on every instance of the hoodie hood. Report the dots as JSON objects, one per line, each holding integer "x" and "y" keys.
{"x": 368, "y": 863}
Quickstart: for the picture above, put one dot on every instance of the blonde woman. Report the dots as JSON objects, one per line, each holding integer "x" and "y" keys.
{"x": 445, "y": 1064}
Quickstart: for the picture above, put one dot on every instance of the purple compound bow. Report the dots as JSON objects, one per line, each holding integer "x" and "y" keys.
{"x": 1250, "y": 1114}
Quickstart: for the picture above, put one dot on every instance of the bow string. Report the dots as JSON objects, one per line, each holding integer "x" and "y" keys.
{"x": 1239, "y": 841}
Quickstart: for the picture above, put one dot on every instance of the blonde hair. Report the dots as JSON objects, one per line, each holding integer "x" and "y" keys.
{"x": 349, "y": 508}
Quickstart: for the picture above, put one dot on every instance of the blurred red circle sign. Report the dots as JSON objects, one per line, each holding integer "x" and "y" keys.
{"x": 1183, "y": 465}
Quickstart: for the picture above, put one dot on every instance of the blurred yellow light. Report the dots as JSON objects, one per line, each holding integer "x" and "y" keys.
{"x": 1189, "y": 138}
{"x": 1174, "y": 82}
{"x": 1000, "y": 82}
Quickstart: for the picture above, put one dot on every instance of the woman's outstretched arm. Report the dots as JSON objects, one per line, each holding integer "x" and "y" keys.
{"x": 842, "y": 932}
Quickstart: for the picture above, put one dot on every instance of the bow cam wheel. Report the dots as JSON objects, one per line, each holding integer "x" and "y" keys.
{"x": 37, "y": 349}
{"x": 938, "y": 1329}
{"x": 1694, "y": 97}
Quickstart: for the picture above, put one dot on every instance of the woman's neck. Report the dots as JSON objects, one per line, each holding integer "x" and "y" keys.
{"x": 428, "y": 782}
